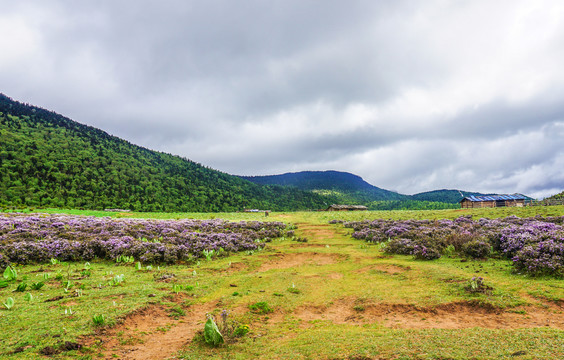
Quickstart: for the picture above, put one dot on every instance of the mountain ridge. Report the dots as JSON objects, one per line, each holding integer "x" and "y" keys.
{"x": 355, "y": 189}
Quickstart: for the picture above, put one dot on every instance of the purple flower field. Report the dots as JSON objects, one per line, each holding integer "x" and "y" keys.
{"x": 37, "y": 238}
{"x": 535, "y": 245}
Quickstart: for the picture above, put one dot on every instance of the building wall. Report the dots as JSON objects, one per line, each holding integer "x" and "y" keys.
{"x": 467, "y": 204}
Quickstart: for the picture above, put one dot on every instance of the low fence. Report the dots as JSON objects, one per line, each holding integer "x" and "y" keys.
{"x": 544, "y": 202}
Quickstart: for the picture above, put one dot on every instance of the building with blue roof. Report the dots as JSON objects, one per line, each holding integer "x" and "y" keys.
{"x": 488, "y": 201}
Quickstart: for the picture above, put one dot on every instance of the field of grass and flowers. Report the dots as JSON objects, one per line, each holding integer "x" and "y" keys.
{"x": 288, "y": 297}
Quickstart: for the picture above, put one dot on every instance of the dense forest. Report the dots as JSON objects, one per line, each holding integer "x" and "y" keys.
{"x": 47, "y": 160}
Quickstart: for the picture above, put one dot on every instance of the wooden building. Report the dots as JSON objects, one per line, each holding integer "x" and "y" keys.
{"x": 346, "y": 208}
{"x": 490, "y": 201}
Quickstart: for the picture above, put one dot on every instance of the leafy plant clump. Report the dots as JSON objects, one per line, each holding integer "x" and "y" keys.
{"x": 9, "y": 303}
{"x": 98, "y": 320}
{"x": 212, "y": 335}
{"x": 477, "y": 285}
{"x": 10, "y": 274}
{"x": 260, "y": 307}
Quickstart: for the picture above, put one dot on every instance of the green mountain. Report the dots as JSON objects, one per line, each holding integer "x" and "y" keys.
{"x": 446, "y": 196}
{"x": 49, "y": 160}
{"x": 345, "y": 187}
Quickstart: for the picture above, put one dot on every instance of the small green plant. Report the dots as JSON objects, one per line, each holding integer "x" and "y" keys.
{"x": 293, "y": 289}
{"x": 138, "y": 266}
{"x": 117, "y": 280}
{"x": 359, "y": 308}
{"x": 449, "y": 251}
{"x": 260, "y": 307}
{"x": 21, "y": 287}
{"x": 9, "y": 303}
{"x": 87, "y": 266}
{"x": 125, "y": 259}
{"x": 54, "y": 261}
{"x": 37, "y": 285}
{"x": 10, "y": 274}
{"x": 208, "y": 254}
{"x": 176, "y": 312}
{"x": 177, "y": 288}
{"x": 28, "y": 297}
{"x": 211, "y": 332}
{"x": 241, "y": 330}
{"x": 67, "y": 285}
{"x": 98, "y": 320}
{"x": 477, "y": 285}
{"x": 3, "y": 284}
{"x": 46, "y": 276}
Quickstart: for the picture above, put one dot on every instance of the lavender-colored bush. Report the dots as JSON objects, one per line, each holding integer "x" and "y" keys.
{"x": 534, "y": 244}
{"x": 477, "y": 249}
{"x": 421, "y": 252}
{"x": 38, "y": 238}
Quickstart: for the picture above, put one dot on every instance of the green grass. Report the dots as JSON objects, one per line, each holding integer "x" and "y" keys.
{"x": 331, "y": 269}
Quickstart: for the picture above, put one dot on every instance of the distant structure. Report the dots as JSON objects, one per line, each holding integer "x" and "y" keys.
{"x": 346, "y": 208}
{"x": 490, "y": 201}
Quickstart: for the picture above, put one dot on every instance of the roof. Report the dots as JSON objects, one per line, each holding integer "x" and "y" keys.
{"x": 495, "y": 197}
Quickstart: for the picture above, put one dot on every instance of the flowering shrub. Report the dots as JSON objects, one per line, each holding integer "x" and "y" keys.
{"x": 26, "y": 239}
{"x": 534, "y": 244}
{"x": 543, "y": 258}
{"x": 400, "y": 247}
{"x": 421, "y": 252}
{"x": 477, "y": 249}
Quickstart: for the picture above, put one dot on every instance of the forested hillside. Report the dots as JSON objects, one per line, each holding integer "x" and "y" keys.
{"x": 49, "y": 160}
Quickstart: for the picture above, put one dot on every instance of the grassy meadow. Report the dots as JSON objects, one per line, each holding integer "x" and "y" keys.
{"x": 330, "y": 297}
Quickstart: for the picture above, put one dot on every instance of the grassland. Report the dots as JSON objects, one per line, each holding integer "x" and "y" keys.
{"x": 332, "y": 297}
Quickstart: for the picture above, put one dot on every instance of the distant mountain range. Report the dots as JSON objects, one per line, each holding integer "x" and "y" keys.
{"x": 48, "y": 160}
{"x": 346, "y": 187}
{"x": 350, "y": 188}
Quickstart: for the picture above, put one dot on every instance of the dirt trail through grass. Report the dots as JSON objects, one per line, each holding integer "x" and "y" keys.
{"x": 338, "y": 279}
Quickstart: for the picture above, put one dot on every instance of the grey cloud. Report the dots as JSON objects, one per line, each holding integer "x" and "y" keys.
{"x": 410, "y": 95}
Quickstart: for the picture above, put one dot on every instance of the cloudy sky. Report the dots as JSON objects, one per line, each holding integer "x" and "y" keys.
{"x": 410, "y": 95}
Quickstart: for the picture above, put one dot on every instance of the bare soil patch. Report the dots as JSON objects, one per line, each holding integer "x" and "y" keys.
{"x": 290, "y": 260}
{"x": 318, "y": 231}
{"x": 459, "y": 315}
{"x": 150, "y": 333}
{"x": 384, "y": 268}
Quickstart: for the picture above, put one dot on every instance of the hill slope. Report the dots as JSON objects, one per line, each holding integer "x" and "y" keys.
{"x": 348, "y": 188}
{"x": 49, "y": 160}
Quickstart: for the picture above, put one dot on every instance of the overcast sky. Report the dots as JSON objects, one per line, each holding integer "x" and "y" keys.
{"x": 410, "y": 95}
